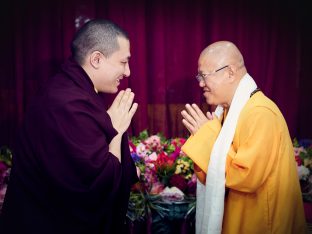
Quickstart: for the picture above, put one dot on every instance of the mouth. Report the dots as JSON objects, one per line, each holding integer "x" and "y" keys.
{"x": 206, "y": 90}
{"x": 119, "y": 80}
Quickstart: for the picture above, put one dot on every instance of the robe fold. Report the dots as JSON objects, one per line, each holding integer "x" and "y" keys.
{"x": 63, "y": 178}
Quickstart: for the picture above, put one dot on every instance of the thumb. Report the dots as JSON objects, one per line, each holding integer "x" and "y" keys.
{"x": 209, "y": 115}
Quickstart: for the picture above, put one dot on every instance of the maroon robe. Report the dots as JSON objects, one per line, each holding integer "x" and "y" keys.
{"x": 64, "y": 179}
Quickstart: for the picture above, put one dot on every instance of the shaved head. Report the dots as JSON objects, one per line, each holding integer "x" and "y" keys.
{"x": 222, "y": 53}
{"x": 221, "y": 67}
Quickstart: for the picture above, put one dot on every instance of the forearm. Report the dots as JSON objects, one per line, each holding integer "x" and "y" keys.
{"x": 199, "y": 146}
{"x": 115, "y": 146}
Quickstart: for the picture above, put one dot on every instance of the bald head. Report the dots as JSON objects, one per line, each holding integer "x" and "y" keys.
{"x": 222, "y": 53}
{"x": 221, "y": 67}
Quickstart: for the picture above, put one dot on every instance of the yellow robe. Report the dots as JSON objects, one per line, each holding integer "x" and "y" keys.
{"x": 263, "y": 194}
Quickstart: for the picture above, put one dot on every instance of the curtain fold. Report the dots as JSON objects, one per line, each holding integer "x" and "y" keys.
{"x": 166, "y": 40}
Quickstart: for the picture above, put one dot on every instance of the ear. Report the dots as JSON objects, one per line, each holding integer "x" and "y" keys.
{"x": 231, "y": 70}
{"x": 231, "y": 73}
{"x": 96, "y": 59}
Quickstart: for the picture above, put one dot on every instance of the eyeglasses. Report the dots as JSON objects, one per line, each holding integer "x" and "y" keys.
{"x": 202, "y": 77}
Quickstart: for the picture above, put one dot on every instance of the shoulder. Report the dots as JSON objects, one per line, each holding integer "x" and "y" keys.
{"x": 261, "y": 113}
{"x": 61, "y": 99}
{"x": 260, "y": 104}
{"x": 61, "y": 92}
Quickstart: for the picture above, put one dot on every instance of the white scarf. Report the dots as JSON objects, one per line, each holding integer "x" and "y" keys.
{"x": 210, "y": 198}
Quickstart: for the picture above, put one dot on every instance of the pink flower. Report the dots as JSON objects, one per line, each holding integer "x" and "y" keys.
{"x": 174, "y": 155}
{"x": 298, "y": 150}
{"x": 132, "y": 147}
{"x": 141, "y": 150}
{"x": 150, "y": 178}
{"x": 298, "y": 160}
{"x": 3, "y": 167}
{"x": 2, "y": 192}
{"x": 178, "y": 142}
{"x": 153, "y": 143}
{"x": 157, "y": 188}
{"x": 152, "y": 157}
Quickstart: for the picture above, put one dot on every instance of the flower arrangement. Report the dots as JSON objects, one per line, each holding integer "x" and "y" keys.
{"x": 166, "y": 176}
{"x": 303, "y": 156}
{"x": 5, "y": 167}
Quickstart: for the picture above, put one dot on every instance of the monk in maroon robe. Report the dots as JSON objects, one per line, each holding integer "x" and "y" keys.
{"x": 72, "y": 170}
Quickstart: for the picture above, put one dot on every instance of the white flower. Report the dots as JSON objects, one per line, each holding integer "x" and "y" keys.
{"x": 152, "y": 157}
{"x": 172, "y": 194}
{"x": 141, "y": 150}
{"x": 303, "y": 172}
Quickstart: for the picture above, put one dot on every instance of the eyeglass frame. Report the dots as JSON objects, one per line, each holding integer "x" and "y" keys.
{"x": 202, "y": 77}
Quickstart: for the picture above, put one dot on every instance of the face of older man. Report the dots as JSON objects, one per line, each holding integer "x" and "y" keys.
{"x": 213, "y": 79}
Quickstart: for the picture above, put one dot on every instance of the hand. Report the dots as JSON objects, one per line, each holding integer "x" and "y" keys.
{"x": 194, "y": 118}
{"x": 122, "y": 110}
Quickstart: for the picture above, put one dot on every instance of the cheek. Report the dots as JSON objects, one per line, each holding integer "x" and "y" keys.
{"x": 109, "y": 75}
{"x": 116, "y": 72}
{"x": 215, "y": 91}
{"x": 211, "y": 86}
{"x": 216, "y": 86}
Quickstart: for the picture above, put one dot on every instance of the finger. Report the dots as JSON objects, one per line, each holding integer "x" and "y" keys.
{"x": 129, "y": 101}
{"x": 133, "y": 109}
{"x": 191, "y": 124}
{"x": 127, "y": 91}
{"x": 191, "y": 111}
{"x": 124, "y": 98}
{"x": 209, "y": 116}
{"x": 126, "y": 102}
{"x": 188, "y": 126}
{"x": 188, "y": 118}
{"x": 117, "y": 99}
{"x": 198, "y": 111}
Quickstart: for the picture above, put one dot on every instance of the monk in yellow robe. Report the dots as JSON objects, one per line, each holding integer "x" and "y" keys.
{"x": 262, "y": 191}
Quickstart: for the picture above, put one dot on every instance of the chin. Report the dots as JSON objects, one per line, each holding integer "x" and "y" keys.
{"x": 208, "y": 101}
{"x": 113, "y": 91}
{"x": 109, "y": 91}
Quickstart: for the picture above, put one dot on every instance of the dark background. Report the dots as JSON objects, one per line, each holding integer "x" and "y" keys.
{"x": 166, "y": 39}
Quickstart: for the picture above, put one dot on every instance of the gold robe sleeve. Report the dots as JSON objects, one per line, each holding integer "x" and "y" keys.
{"x": 199, "y": 146}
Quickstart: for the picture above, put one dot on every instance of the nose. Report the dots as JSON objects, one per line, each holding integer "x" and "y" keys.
{"x": 202, "y": 83}
{"x": 127, "y": 70}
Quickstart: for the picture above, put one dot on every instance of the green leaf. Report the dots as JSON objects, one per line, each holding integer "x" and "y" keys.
{"x": 295, "y": 142}
{"x": 6, "y": 155}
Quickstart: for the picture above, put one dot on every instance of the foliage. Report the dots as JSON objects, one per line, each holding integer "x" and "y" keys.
{"x": 5, "y": 166}
{"x": 6, "y": 156}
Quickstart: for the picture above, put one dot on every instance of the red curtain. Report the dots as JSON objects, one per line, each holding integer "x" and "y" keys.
{"x": 166, "y": 39}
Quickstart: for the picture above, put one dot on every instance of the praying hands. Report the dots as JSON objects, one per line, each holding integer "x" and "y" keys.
{"x": 194, "y": 118}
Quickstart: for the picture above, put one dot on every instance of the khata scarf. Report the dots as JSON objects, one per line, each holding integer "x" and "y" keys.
{"x": 210, "y": 198}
